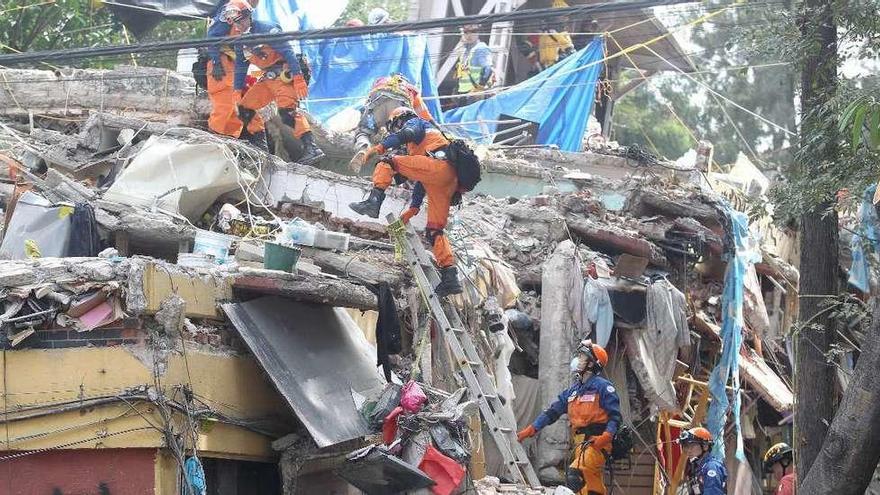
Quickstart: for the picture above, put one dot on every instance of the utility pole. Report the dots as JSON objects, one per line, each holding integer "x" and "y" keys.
{"x": 819, "y": 269}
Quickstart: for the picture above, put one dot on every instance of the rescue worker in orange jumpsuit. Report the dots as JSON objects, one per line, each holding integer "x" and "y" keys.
{"x": 779, "y": 460}
{"x": 593, "y": 409}
{"x": 425, "y": 162}
{"x": 706, "y": 474}
{"x": 386, "y": 95}
{"x": 234, "y": 112}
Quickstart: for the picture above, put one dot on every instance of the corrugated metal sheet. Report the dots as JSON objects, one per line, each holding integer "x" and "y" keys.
{"x": 315, "y": 355}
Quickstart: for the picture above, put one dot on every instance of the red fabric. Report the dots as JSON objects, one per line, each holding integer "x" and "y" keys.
{"x": 446, "y": 473}
{"x": 787, "y": 485}
{"x": 389, "y": 425}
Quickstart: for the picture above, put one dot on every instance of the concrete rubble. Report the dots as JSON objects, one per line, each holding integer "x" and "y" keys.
{"x": 623, "y": 222}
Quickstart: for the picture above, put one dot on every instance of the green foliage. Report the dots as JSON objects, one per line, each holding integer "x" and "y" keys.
{"x": 40, "y": 25}
{"x": 862, "y": 118}
{"x": 641, "y": 118}
{"x": 358, "y": 9}
{"x": 727, "y": 50}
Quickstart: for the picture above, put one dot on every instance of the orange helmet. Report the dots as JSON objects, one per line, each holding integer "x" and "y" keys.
{"x": 594, "y": 351}
{"x": 696, "y": 435}
{"x": 398, "y": 117}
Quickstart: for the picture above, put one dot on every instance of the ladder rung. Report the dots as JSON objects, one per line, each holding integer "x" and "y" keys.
{"x": 472, "y": 363}
{"x": 505, "y": 430}
{"x": 488, "y": 396}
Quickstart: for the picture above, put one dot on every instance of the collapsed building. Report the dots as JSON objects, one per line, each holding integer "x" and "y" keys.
{"x": 145, "y": 325}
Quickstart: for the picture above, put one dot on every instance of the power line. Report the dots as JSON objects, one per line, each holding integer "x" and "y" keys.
{"x": 89, "y": 52}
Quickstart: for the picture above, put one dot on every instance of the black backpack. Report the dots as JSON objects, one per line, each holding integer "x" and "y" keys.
{"x": 200, "y": 69}
{"x": 622, "y": 445}
{"x": 466, "y": 164}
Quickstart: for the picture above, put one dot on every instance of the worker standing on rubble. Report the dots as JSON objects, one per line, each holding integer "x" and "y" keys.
{"x": 387, "y": 94}
{"x": 779, "y": 460}
{"x": 474, "y": 71}
{"x": 425, "y": 162}
{"x": 706, "y": 474}
{"x": 282, "y": 79}
{"x": 553, "y": 45}
{"x": 593, "y": 409}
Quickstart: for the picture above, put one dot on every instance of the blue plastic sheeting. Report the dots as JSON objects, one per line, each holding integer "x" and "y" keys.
{"x": 195, "y": 475}
{"x": 300, "y": 15}
{"x": 344, "y": 70}
{"x": 746, "y": 253}
{"x": 558, "y": 99}
{"x": 860, "y": 271}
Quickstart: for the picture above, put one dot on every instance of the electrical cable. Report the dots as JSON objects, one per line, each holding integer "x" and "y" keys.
{"x": 89, "y": 52}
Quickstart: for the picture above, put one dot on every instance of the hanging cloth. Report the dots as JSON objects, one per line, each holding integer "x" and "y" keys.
{"x": 388, "y": 339}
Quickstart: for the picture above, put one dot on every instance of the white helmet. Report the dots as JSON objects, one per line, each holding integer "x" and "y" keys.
{"x": 378, "y": 16}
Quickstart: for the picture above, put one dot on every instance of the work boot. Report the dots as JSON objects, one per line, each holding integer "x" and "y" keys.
{"x": 449, "y": 283}
{"x": 370, "y": 206}
{"x": 258, "y": 139}
{"x": 311, "y": 153}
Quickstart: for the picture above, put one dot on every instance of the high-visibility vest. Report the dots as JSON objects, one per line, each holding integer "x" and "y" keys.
{"x": 468, "y": 76}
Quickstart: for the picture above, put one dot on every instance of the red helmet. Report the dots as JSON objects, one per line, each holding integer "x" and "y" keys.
{"x": 696, "y": 435}
{"x": 354, "y": 23}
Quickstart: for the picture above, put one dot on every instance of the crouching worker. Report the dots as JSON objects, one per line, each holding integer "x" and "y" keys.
{"x": 593, "y": 409}
{"x": 386, "y": 95}
{"x": 425, "y": 162}
{"x": 282, "y": 81}
{"x": 706, "y": 474}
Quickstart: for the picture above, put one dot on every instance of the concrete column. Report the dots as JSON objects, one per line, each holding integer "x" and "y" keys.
{"x": 557, "y": 334}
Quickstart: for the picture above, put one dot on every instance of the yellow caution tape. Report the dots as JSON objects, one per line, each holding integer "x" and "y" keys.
{"x": 31, "y": 250}
{"x": 65, "y": 211}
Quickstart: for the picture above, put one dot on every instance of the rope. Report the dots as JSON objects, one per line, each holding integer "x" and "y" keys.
{"x": 536, "y": 14}
{"x": 725, "y": 98}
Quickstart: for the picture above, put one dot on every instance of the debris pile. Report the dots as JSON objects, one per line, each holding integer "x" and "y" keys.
{"x": 111, "y": 225}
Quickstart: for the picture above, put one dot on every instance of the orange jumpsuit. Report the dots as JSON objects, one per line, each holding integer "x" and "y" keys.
{"x": 267, "y": 88}
{"x": 593, "y": 403}
{"x": 436, "y": 175}
{"x": 224, "y": 98}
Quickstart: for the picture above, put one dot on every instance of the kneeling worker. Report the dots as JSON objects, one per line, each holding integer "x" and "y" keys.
{"x": 425, "y": 162}
{"x": 593, "y": 409}
{"x": 706, "y": 474}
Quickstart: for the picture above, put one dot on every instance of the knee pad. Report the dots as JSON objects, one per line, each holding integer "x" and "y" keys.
{"x": 288, "y": 116}
{"x": 432, "y": 234}
{"x": 574, "y": 480}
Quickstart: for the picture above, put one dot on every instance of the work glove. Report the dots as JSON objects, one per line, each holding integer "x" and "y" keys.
{"x": 408, "y": 214}
{"x": 218, "y": 72}
{"x": 602, "y": 441}
{"x": 527, "y": 432}
{"x": 300, "y": 87}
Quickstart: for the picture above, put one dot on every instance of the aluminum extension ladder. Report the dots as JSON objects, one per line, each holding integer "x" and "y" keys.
{"x": 479, "y": 383}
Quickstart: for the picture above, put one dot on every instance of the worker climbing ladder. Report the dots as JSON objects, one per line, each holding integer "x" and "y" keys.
{"x": 479, "y": 383}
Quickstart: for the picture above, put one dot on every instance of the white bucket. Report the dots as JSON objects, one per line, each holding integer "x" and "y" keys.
{"x": 212, "y": 243}
{"x": 186, "y": 57}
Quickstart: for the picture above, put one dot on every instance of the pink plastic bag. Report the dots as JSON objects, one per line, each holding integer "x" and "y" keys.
{"x": 412, "y": 397}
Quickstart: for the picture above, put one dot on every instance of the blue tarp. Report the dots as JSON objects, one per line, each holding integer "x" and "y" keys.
{"x": 558, "y": 99}
{"x": 727, "y": 370}
{"x": 300, "y": 15}
{"x": 344, "y": 70}
{"x": 860, "y": 271}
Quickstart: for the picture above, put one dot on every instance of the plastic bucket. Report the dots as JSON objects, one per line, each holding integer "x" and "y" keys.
{"x": 212, "y": 243}
{"x": 279, "y": 257}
